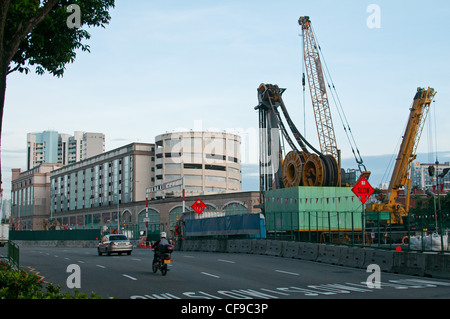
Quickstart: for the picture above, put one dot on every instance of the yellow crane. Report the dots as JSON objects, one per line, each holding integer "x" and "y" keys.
{"x": 407, "y": 153}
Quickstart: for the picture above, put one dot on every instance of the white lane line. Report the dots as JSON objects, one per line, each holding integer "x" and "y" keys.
{"x": 81, "y": 262}
{"x": 186, "y": 256}
{"x": 132, "y": 278}
{"x": 205, "y": 273}
{"x": 226, "y": 261}
{"x": 100, "y": 266}
{"x": 137, "y": 259}
{"x": 287, "y": 272}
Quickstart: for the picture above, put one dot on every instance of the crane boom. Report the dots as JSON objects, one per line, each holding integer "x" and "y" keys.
{"x": 317, "y": 87}
{"x": 407, "y": 153}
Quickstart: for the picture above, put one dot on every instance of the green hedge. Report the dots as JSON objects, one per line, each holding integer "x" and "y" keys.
{"x": 20, "y": 284}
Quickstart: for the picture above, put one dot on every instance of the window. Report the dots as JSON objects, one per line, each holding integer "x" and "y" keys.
{"x": 215, "y": 167}
{"x": 215, "y": 178}
{"x": 172, "y": 166}
{"x": 192, "y": 166}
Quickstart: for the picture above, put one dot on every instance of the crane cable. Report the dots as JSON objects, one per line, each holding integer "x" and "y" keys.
{"x": 340, "y": 110}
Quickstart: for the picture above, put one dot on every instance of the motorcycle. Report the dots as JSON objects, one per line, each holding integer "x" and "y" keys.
{"x": 163, "y": 259}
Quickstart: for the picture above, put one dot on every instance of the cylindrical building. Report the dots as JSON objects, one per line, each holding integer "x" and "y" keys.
{"x": 209, "y": 162}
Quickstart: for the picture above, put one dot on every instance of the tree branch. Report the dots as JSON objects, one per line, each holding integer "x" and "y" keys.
{"x": 25, "y": 28}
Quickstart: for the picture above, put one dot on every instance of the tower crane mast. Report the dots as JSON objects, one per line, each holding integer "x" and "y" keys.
{"x": 319, "y": 97}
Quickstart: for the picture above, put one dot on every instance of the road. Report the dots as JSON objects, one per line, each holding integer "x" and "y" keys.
{"x": 202, "y": 275}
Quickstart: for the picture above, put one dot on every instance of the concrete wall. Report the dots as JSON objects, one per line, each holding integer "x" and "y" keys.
{"x": 429, "y": 264}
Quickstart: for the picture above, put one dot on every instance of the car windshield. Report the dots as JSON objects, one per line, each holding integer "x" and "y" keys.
{"x": 118, "y": 237}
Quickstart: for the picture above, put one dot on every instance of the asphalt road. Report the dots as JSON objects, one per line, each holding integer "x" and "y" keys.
{"x": 202, "y": 275}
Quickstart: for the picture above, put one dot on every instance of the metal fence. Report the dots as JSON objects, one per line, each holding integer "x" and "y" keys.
{"x": 417, "y": 233}
{"x": 11, "y": 253}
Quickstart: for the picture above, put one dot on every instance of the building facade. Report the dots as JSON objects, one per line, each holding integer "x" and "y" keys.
{"x": 30, "y": 196}
{"x": 421, "y": 179}
{"x": 113, "y": 178}
{"x": 208, "y": 162}
{"x": 53, "y": 147}
{"x": 110, "y": 189}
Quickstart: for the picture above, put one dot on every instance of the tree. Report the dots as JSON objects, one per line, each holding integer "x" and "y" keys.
{"x": 45, "y": 35}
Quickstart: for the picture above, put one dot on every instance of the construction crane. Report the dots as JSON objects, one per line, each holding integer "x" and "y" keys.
{"x": 317, "y": 87}
{"x": 320, "y": 101}
{"x": 407, "y": 153}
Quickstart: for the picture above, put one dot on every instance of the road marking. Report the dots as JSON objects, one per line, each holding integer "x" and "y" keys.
{"x": 132, "y": 278}
{"x": 189, "y": 256}
{"x": 100, "y": 266}
{"x": 81, "y": 262}
{"x": 205, "y": 273}
{"x": 226, "y": 261}
{"x": 136, "y": 259}
{"x": 66, "y": 258}
{"x": 287, "y": 272}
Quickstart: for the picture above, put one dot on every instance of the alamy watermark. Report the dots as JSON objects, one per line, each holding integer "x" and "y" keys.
{"x": 74, "y": 19}
{"x": 374, "y": 279}
{"x": 74, "y": 279}
{"x": 374, "y": 19}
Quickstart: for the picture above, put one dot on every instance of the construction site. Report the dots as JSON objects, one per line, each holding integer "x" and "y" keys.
{"x": 305, "y": 193}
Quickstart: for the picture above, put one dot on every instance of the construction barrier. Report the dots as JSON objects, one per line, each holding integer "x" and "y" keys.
{"x": 351, "y": 257}
{"x": 383, "y": 258}
{"x": 437, "y": 265}
{"x": 274, "y": 247}
{"x": 245, "y": 246}
{"x": 409, "y": 263}
{"x": 328, "y": 254}
{"x": 290, "y": 249}
{"x": 232, "y": 246}
{"x": 307, "y": 251}
{"x": 258, "y": 247}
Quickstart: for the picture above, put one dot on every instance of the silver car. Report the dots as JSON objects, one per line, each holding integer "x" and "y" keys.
{"x": 115, "y": 244}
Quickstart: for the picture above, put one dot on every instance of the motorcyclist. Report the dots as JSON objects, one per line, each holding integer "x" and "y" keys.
{"x": 156, "y": 246}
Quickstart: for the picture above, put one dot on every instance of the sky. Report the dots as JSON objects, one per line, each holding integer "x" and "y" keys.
{"x": 163, "y": 66}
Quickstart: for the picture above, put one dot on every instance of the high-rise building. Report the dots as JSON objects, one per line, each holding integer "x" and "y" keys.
{"x": 53, "y": 147}
{"x": 421, "y": 178}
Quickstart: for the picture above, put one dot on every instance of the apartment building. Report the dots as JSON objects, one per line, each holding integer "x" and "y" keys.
{"x": 54, "y": 147}
{"x": 421, "y": 178}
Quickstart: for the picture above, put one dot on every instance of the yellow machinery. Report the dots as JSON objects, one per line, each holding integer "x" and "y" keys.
{"x": 407, "y": 153}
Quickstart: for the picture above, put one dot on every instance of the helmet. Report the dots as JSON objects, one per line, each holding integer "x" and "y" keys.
{"x": 163, "y": 235}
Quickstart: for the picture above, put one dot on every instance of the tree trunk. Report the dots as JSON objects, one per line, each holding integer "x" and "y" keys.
{"x": 3, "y": 74}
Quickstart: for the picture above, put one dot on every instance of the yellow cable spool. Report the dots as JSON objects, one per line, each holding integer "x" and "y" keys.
{"x": 292, "y": 170}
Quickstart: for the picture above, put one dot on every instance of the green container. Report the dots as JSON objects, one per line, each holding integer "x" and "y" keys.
{"x": 312, "y": 209}
{"x": 373, "y": 216}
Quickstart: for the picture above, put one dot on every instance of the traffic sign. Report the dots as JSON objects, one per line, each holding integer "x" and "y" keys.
{"x": 363, "y": 189}
{"x": 198, "y": 206}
